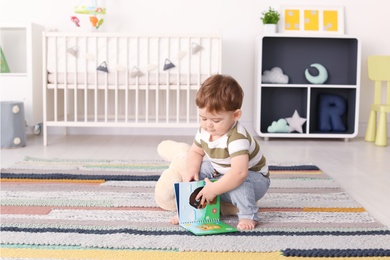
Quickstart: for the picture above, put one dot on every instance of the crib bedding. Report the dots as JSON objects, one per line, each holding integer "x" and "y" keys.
{"x": 122, "y": 80}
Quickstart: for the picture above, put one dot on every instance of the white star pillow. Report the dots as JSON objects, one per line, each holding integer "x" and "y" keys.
{"x": 295, "y": 122}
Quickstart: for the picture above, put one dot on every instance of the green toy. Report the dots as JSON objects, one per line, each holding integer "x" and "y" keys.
{"x": 3, "y": 62}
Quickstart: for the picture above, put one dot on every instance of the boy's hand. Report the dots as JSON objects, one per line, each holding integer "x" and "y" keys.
{"x": 191, "y": 177}
{"x": 206, "y": 195}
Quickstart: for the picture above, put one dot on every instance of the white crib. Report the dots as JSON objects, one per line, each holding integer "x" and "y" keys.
{"x": 125, "y": 80}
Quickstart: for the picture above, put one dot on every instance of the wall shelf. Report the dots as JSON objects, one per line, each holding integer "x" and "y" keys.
{"x": 22, "y": 47}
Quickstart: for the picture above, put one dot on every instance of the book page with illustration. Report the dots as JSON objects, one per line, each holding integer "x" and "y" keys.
{"x": 200, "y": 219}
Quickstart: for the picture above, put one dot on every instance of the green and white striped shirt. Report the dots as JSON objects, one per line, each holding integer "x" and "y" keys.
{"x": 236, "y": 141}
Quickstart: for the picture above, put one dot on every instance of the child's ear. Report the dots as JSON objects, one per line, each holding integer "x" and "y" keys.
{"x": 237, "y": 114}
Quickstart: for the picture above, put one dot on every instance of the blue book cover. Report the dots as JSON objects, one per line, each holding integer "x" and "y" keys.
{"x": 197, "y": 218}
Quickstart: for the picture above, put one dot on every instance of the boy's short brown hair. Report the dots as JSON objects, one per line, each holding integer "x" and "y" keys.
{"x": 220, "y": 93}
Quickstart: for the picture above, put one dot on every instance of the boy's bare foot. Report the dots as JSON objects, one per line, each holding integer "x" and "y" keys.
{"x": 247, "y": 224}
{"x": 175, "y": 220}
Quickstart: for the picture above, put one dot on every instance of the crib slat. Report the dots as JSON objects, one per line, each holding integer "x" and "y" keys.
{"x": 56, "y": 81}
{"x": 178, "y": 82}
{"x": 157, "y": 98}
{"x": 75, "y": 97}
{"x": 105, "y": 93}
{"x": 116, "y": 80}
{"x": 147, "y": 84}
{"x": 88, "y": 41}
{"x": 188, "y": 81}
{"x": 137, "y": 86}
{"x": 168, "y": 87}
{"x": 66, "y": 84}
{"x": 127, "y": 80}
{"x": 85, "y": 97}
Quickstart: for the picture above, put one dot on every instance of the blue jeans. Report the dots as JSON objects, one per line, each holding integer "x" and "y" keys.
{"x": 244, "y": 197}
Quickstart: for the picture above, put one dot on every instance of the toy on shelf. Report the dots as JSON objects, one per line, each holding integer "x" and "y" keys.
{"x": 320, "y": 78}
{"x": 94, "y": 10}
{"x": 280, "y": 126}
{"x": 287, "y": 125}
{"x": 295, "y": 122}
{"x": 3, "y": 62}
{"x": 331, "y": 110}
{"x": 275, "y": 76}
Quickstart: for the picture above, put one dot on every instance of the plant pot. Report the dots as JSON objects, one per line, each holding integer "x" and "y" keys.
{"x": 270, "y": 28}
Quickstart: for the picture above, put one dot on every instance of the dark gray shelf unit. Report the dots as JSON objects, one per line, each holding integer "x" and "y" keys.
{"x": 293, "y": 54}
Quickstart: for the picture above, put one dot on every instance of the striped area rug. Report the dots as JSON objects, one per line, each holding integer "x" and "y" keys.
{"x": 105, "y": 209}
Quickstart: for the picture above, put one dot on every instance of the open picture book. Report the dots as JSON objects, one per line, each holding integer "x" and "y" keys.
{"x": 195, "y": 217}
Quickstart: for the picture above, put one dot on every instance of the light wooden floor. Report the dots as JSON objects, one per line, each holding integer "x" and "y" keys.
{"x": 361, "y": 168}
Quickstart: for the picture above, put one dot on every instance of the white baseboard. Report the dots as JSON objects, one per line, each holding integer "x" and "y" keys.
{"x": 156, "y": 131}
{"x": 121, "y": 131}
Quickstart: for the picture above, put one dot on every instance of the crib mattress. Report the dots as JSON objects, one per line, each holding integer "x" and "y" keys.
{"x": 98, "y": 78}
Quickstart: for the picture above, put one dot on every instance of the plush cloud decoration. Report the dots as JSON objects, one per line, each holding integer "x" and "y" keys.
{"x": 279, "y": 127}
{"x": 275, "y": 75}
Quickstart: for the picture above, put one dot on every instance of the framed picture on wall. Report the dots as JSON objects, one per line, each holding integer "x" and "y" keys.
{"x": 312, "y": 19}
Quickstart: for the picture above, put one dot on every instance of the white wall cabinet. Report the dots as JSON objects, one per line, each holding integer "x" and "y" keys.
{"x": 294, "y": 54}
{"x": 22, "y": 47}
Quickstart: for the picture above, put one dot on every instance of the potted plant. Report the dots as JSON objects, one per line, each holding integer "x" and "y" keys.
{"x": 270, "y": 19}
